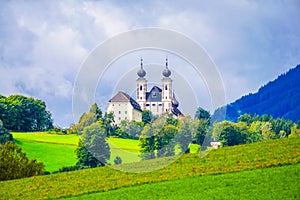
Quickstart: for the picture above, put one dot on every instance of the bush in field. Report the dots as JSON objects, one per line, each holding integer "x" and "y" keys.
{"x": 118, "y": 160}
{"x": 14, "y": 163}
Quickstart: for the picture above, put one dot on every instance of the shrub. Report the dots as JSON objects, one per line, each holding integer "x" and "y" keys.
{"x": 14, "y": 163}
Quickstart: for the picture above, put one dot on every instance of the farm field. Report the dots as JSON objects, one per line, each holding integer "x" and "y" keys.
{"x": 57, "y": 151}
{"x": 266, "y": 154}
{"x": 268, "y": 183}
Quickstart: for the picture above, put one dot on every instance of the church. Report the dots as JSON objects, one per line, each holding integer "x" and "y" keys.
{"x": 159, "y": 100}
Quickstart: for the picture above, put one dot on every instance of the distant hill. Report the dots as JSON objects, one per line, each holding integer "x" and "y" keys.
{"x": 279, "y": 98}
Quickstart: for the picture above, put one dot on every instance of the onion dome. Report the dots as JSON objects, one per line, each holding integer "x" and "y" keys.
{"x": 166, "y": 72}
{"x": 141, "y": 73}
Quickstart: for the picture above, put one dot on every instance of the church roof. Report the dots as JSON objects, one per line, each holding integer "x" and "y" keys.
{"x": 176, "y": 111}
{"x": 123, "y": 97}
{"x": 154, "y": 95}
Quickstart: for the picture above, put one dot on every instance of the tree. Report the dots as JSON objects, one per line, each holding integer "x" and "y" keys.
{"x": 184, "y": 136}
{"x": 147, "y": 143}
{"x": 93, "y": 149}
{"x": 14, "y": 163}
{"x": 130, "y": 129}
{"x": 22, "y": 113}
{"x": 295, "y": 131}
{"x": 165, "y": 143}
{"x": 85, "y": 120}
{"x": 96, "y": 110}
{"x": 230, "y": 134}
{"x": 200, "y": 128}
{"x": 267, "y": 132}
{"x": 247, "y": 118}
{"x": 147, "y": 116}
{"x": 150, "y": 140}
{"x": 108, "y": 122}
{"x": 5, "y": 136}
{"x": 202, "y": 114}
{"x": 255, "y": 133}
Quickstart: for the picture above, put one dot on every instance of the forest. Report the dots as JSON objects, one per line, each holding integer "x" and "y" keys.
{"x": 279, "y": 98}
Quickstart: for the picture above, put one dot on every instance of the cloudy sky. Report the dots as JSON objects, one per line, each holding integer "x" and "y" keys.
{"x": 44, "y": 43}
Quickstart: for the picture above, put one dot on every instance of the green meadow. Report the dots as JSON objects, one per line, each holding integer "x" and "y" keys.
{"x": 57, "y": 151}
{"x": 262, "y": 170}
{"x": 267, "y": 183}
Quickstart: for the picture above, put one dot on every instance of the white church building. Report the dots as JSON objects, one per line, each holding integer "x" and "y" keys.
{"x": 159, "y": 101}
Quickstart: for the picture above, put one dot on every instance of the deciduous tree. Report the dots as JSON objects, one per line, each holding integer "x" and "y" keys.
{"x": 93, "y": 149}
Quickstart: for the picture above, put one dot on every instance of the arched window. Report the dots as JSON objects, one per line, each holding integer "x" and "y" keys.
{"x": 166, "y": 87}
{"x": 141, "y": 87}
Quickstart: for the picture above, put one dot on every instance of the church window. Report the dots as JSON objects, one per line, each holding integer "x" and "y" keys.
{"x": 140, "y": 97}
{"x": 119, "y": 118}
{"x": 153, "y": 104}
{"x": 160, "y": 104}
{"x": 141, "y": 87}
{"x": 147, "y": 104}
{"x": 166, "y": 97}
{"x": 154, "y": 94}
{"x": 166, "y": 87}
{"x": 119, "y": 112}
{"x": 125, "y": 118}
{"x": 125, "y": 111}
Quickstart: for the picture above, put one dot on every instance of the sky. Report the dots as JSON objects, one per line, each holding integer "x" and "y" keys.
{"x": 43, "y": 45}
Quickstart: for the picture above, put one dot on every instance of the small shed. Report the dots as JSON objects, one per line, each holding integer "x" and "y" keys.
{"x": 215, "y": 144}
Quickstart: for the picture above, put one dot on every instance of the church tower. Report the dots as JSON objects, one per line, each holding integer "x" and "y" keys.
{"x": 141, "y": 87}
{"x": 167, "y": 91}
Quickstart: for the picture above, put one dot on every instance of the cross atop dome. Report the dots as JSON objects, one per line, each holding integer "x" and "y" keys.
{"x": 141, "y": 73}
{"x": 166, "y": 72}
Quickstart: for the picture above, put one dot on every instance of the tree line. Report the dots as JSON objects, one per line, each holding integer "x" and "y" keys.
{"x": 254, "y": 128}
{"x": 160, "y": 136}
{"x": 21, "y": 113}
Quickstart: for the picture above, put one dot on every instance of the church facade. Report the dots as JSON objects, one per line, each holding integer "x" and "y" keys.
{"x": 159, "y": 100}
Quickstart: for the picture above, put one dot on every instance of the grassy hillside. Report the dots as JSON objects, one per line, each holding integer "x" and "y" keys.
{"x": 230, "y": 159}
{"x": 57, "y": 151}
{"x": 268, "y": 183}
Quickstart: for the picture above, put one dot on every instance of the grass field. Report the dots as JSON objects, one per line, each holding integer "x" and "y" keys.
{"x": 57, "y": 151}
{"x": 224, "y": 160}
{"x": 127, "y": 149}
{"x": 54, "y": 156}
{"x": 268, "y": 183}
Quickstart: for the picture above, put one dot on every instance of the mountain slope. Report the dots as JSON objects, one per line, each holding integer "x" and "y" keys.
{"x": 279, "y": 98}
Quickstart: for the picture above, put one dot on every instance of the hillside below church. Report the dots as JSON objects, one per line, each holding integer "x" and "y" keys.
{"x": 279, "y": 98}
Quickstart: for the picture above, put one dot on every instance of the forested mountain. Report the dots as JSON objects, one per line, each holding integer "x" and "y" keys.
{"x": 279, "y": 98}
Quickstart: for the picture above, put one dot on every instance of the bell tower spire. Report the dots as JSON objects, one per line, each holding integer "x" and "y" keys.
{"x": 167, "y": 94}
{"x": 141, "y": 87}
